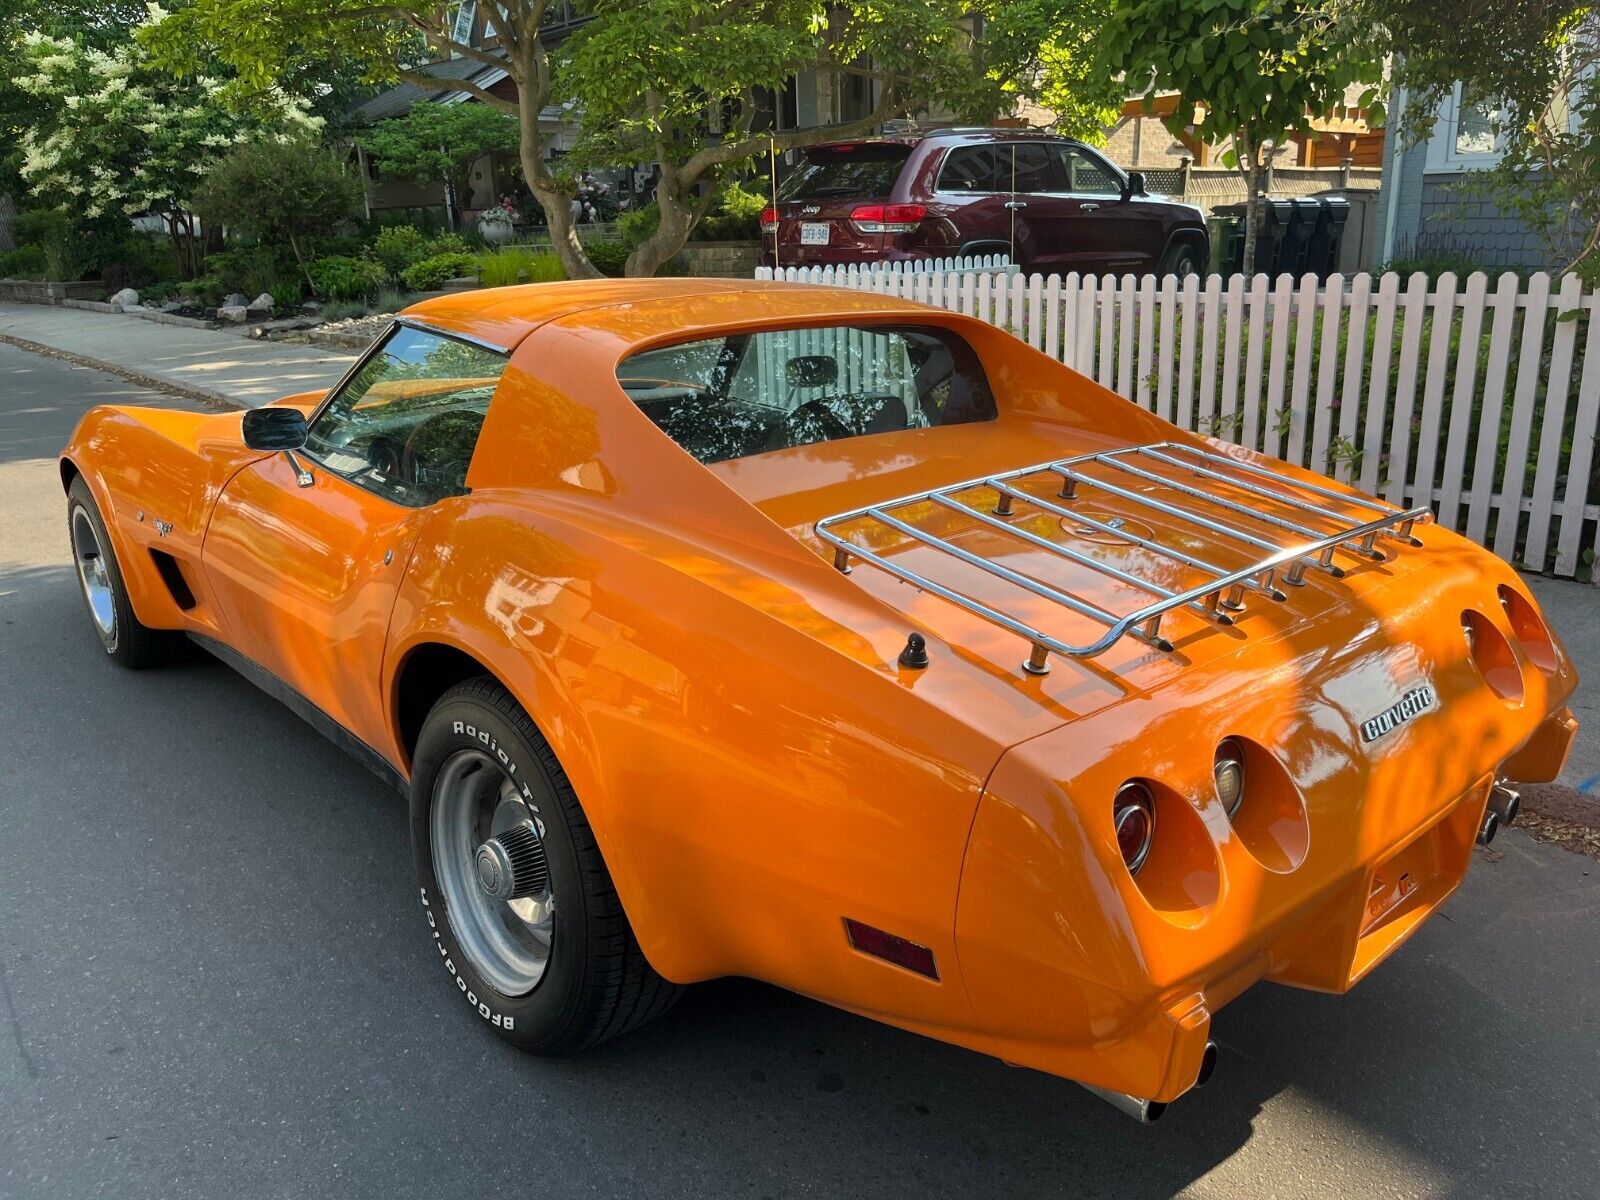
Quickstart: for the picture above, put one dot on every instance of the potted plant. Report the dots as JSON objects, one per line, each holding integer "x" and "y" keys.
{"x": 498, "y": 224}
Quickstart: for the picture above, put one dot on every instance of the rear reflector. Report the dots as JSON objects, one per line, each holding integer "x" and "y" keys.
{"x": 890, "y": 948}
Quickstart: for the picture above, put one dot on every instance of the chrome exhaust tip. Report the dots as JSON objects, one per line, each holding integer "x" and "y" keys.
{"x": 1146, "y": 1112}
{"x": 1505, "y": 802}
{"x": 1490, "y": 827}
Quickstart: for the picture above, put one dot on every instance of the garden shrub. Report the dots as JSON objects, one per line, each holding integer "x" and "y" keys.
{"x": 431, "y": 273}
{"x": 25, "y": 262}
{"x": 636, "y": 225}
{"x": 398, "y": 247}
{"x": 205, "y": 292}
{"x": 342, "y": 277}
{"x": 59, "y": 238}
{"x": 446, "y": 243}
{"x": 608, "y": 257}
{"x": 736, "y": 216}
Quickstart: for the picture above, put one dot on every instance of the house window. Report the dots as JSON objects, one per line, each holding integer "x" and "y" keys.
{"x": 466, "y": 16}
{"x": 1469, "y": 133}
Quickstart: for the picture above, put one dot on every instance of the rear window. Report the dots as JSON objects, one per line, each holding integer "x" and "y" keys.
{"x": 865, "y": 171}
{"x": 748, "y": 393}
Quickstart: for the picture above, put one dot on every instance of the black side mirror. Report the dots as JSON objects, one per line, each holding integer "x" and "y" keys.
{"x": 1135, "y": 185}
{"x": 274, "y": 429}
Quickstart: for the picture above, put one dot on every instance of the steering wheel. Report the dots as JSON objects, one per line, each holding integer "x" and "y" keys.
{"x": 458, "y": 428}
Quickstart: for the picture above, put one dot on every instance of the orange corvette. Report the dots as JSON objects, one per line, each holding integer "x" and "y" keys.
{"x": 719, "y": 628}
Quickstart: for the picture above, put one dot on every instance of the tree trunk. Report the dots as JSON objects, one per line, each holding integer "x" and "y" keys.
{"x": 1248, "y": 152}
{"x": 555, "y": 199}
{"x": 294, "y": 244}
{"x": 680, "y": 213}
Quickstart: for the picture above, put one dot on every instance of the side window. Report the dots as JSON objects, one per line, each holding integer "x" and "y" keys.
{"x": 1088, "y": 174}
{"x": 407, "y": 422}
{"x": 974, "y": 169}
{"x": 1037, "y": 170}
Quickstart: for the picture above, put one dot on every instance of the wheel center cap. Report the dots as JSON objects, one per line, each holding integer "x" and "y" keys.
{"x": 512, "y": 865}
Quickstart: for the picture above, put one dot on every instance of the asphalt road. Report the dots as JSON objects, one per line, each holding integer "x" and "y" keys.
{"x": 214, "y": 982}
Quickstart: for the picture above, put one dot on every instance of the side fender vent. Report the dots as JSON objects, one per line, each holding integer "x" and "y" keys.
{"x": 172, "y": 576}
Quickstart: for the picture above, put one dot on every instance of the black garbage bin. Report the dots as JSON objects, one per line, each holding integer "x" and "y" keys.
{"x": 1278, "y": 217}
{"x": 1297, "y": 239}
{"x": 1322, "y": 250}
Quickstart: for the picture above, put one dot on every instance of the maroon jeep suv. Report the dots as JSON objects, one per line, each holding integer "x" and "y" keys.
{"x": 1052, "y": 204}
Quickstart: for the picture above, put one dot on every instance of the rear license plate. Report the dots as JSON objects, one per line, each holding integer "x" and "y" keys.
{"x": 814, "y": 233}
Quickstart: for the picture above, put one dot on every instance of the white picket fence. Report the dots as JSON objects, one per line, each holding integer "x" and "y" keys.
{"x": 986, "y": 264}
{"x": 1481, "y": 399}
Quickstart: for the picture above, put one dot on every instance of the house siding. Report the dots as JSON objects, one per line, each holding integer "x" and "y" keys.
{"x": 1450, "y": 223}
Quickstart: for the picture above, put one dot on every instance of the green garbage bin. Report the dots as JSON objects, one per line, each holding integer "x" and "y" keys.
{"x": 1278, "y": 217}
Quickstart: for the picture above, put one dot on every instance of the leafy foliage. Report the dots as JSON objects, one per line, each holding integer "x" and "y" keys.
{"x": 346, "y": 278}
{"x": 113, "y": 135}
{"x": 431, "y": 273}
{"x": 1534, "y": 60}
{"x": 295, "y": 190}
{"x": 440, "y": 142}
{"x": 1254, "y": 71}
{"x": 398, "y": 247}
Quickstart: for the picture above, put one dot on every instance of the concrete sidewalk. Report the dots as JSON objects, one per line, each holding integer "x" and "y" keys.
{"x": 217, "y": 366}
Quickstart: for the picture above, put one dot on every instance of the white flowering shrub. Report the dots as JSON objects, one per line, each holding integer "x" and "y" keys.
{"x": 122, "y": 136}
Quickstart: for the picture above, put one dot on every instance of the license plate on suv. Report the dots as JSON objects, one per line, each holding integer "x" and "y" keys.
{"x": 814, "y": 233}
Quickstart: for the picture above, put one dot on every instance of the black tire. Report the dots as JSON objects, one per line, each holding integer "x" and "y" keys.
{"x": 130, "y": 642}
{"x": 1181, "y": 259}
{"x": 596, "y": 983}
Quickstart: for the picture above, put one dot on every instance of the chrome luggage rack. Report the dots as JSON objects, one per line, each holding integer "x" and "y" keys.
{"x": 1279, "y": 501}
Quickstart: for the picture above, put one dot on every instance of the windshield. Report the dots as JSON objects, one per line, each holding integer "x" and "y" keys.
{"x": 744, "y": 394}
{"x": 865, "y": 172}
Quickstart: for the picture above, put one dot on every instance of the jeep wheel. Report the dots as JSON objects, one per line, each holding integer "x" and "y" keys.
{"x": 125, "y": 638}
{"x": 518, "y": 900}
{"x": 1182, "y": 260}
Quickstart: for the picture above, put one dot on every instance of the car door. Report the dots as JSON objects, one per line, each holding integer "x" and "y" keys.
{"x": 305, "y": 551}
{"x": 972, "y": 194}
{"x": 1045, "y": 215}
{"x": 1110, "y": 232}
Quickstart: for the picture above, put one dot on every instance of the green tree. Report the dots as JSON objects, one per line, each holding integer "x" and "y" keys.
{"x": 1530, "y": 61}
{"x": 1254, "y": 71}
{"x": 671, "y": 81}
{"x": 440, "y": 142}
{"x": 111, "y": 136}
{"x": 296, "y": 190}
{"x": 264, "y": 41}
{"x": 680, "y": 82}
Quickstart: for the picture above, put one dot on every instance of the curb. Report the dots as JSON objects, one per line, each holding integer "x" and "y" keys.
{"x": 214, "y": 400}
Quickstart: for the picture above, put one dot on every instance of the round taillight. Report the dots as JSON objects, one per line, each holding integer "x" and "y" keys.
{"x": 1228, "y": 770}
{"x": 1134, "y": 816}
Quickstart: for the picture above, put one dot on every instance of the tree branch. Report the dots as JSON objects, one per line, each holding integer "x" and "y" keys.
{"x": 435, "y": 83}
{"x": 889, "y": 104}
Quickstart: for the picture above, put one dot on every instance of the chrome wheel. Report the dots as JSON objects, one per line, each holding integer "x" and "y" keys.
{"x": 488, "y": 856}
{"x": 94, "y": 574}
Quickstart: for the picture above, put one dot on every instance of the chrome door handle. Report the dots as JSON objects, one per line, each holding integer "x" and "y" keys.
{"x": 1088, "y": 208}
{"x": 1016, "y": 204}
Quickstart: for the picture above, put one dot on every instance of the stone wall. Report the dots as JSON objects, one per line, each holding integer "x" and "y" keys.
{"x": 29, "y": 291}
{"x": 723, "y": 260}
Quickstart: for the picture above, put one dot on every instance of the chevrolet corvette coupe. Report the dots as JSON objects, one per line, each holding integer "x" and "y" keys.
{"x": 722, "y": 628}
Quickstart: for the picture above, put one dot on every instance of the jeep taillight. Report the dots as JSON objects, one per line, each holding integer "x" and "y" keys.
{"x": 888, "y": 218}
{"x": 769, "y": 219}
